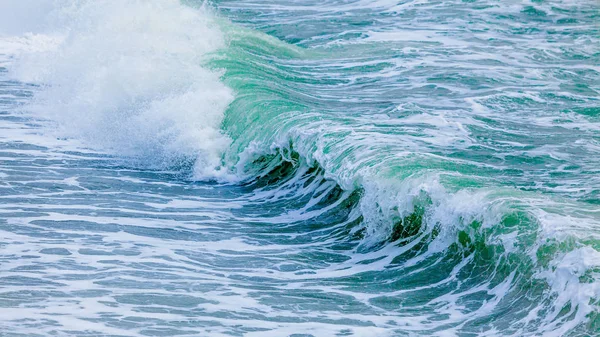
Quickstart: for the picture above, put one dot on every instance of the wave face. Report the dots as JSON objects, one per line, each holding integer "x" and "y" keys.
{"x": 274, "y": 168}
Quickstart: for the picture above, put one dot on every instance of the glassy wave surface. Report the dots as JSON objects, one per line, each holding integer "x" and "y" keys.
{"x": 299, "y": 168}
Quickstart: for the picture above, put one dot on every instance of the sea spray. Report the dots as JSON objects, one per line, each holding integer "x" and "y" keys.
{"x": 128, "y": 77}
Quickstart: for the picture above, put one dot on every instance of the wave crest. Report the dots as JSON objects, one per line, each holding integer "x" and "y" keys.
{"x": 128, "y": 77}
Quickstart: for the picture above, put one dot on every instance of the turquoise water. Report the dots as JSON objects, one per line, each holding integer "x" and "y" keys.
{"x": 286, "y": 168}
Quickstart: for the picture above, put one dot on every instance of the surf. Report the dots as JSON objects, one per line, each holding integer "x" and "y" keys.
{"x": 440, "y": 226}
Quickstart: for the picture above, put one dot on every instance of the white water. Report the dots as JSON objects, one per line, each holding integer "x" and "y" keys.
{"x": 126, "y": 76}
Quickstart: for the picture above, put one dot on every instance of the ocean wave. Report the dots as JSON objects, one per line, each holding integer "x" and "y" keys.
{"x": 164, "y": 85}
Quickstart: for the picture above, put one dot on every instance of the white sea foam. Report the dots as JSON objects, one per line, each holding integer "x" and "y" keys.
{"x": 127, "y": 77}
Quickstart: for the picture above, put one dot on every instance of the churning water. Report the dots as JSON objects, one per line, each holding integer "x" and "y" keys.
{"x": 299, "y": 168}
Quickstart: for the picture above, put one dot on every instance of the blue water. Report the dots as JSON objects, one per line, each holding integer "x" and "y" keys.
{"x": 285, "y": 168}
